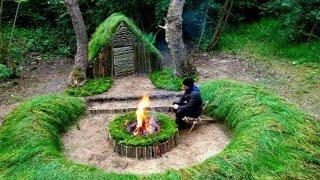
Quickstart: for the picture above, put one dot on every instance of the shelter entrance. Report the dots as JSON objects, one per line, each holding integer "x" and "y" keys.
{"x": 123, "y": 61}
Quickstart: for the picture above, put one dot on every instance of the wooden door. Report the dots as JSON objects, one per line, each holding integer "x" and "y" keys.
{"x": 123, "y": 61}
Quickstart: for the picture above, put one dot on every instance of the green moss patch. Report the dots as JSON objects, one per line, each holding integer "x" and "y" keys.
{"x": 165, "y": 79}
{"x": 92, "y": 87}
{"x": 119, "y": 133}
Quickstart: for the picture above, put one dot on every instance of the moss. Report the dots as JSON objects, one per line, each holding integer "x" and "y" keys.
{"x": 119, "y": 133}
{"x": 106, "y": 30}
{"x": 91, "y": 87}
{"x": 165, "y": 79}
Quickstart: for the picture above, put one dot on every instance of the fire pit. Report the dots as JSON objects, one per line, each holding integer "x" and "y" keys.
{"x": 142, "y": 134}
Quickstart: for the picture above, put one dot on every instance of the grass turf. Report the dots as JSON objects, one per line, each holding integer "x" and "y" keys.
{"x": 119, "y": 133}
{"x": 272, "y": 139}
{"x": 265, "y": 40}
{"x": 92, "y": 87}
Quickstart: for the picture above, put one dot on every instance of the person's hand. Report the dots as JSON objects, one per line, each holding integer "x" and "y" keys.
{"x": 175, "y": 106}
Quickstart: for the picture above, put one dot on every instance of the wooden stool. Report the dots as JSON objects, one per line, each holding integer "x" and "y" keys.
{"x": 194, "y": 120}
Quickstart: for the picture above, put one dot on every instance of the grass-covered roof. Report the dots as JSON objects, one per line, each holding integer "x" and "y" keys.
{"x": 108, "y": 28}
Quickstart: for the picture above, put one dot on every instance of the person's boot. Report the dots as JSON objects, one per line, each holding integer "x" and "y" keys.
{"x": 182, "y": 125}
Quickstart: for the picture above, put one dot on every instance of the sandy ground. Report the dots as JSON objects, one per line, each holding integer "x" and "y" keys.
{"x": 89, "y": 146}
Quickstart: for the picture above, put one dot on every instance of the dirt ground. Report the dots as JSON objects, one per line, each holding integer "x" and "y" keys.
{"x": 45, "y": 78}
{"x": 89, "y": 146}
{"x": 298, "y": 84}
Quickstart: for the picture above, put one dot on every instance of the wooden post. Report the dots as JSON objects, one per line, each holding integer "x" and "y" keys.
{"x": 143, "y": 152}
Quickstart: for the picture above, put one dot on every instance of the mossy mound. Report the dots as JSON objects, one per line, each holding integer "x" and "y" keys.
{"x": 119, "y": 133}
{"x": 272, "y": 139}
{"x": 91, "y": 87}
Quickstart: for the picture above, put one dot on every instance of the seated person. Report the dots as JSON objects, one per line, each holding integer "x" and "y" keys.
{"x": 190, "y": 104}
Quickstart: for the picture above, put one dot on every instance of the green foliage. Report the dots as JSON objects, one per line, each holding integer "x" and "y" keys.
{"x": 5, "y": 72}
{"x": 138, "y": 9}
{"x": 300, "y": 18}
{"x": 165, "y": 79}
{"x": 92, "y": 87}
{"x": 147, "y": 13}
{"x": 267, "y": 40}
{"x": 119, "y": 133}
{"x": 43, "y": 43}
{"x": 272, "y": 139}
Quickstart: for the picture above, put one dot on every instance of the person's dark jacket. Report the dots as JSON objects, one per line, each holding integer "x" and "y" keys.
{"x": 191, "y": 102}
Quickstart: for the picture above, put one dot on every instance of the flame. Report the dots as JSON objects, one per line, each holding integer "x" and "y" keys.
{"x": 145, "y": 124}
{"x": 141, "y": 114}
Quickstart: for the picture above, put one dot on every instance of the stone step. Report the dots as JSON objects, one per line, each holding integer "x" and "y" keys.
{"x": 104, "y": 98}
{"x": 95, "y": 111}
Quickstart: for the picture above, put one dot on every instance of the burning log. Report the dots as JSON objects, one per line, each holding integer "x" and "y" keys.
{"x": 145, "y": 125}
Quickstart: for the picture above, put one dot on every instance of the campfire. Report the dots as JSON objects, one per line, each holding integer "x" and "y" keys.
{"x": 137, "y": 134}
{"x": 145, "y": 124}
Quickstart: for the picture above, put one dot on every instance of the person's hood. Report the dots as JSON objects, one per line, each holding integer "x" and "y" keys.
{"x": 194, "y": 88}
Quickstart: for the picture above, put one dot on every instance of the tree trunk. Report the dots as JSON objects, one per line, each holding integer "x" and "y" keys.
{"x": 204, "y": 26}
{"x": 312, "y": 31}
{"x": 77, "y": 76}
{"x": 224, "y": 15}
{"x": 8, "y": 61}
{"x": 182, "y": 67}
{"x": 2, "y": 48}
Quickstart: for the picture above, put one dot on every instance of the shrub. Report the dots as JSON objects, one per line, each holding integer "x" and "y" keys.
{"x": 300, "y": 18}
{"x": 5, "y": 72}
{"x": 41, "y": 43}
{"x": 267, "y": 40}
{"x": 165, "y": 79}
{"x": 92, "y": 87}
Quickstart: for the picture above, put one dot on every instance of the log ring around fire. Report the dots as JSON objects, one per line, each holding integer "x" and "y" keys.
{"x": 151, "y": 146}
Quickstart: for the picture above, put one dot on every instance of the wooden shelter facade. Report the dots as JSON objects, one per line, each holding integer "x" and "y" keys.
{"x": 124, "y": 55}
